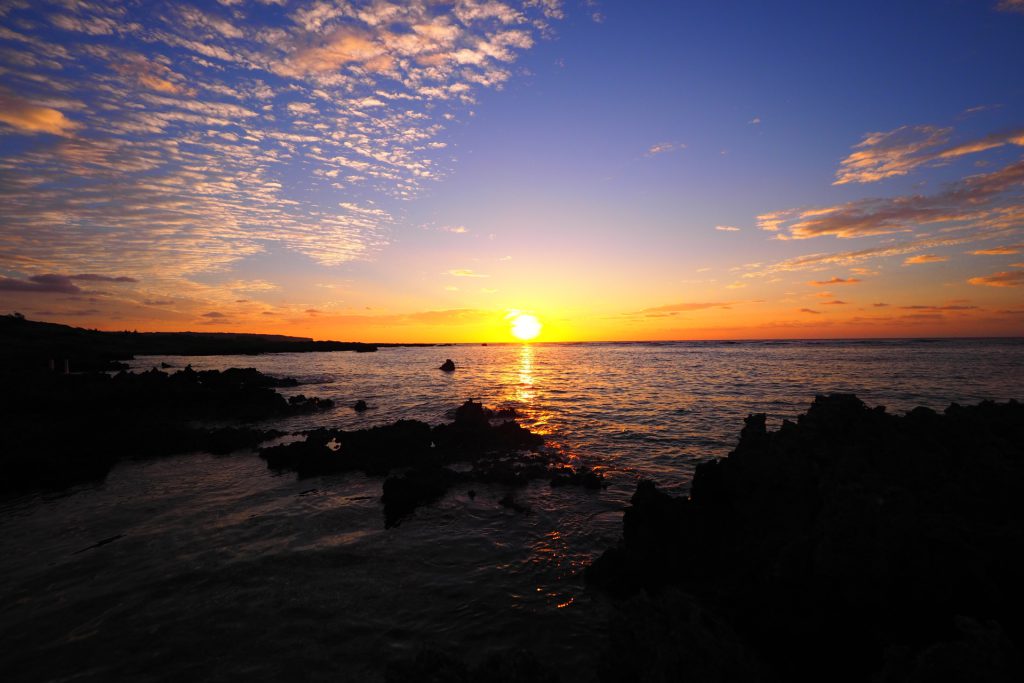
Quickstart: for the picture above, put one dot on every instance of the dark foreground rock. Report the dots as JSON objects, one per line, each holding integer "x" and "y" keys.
{"x": 487, "y": 444}
{"x": 57, "y": 430}
{"x": 448, "y": 365}
{"x": 851, "y": 545}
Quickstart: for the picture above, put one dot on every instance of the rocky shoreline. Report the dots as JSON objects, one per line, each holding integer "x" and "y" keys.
{"x": 851, "y": 545}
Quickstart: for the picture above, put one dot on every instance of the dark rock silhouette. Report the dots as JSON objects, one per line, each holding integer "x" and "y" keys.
{"x": 853, "y": 542}
{"x": 32, "y": 344}
{"x": 585, "y": 477}
{"x": 421, "y": 485}
{"x": 360, "y": 406}
{"x": 505, "y": 453}
{"x": 448, "y": 365}
{"x": 59, "y": 430}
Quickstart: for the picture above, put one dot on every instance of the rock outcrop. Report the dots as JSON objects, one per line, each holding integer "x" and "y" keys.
{"x": 850, "y": 545}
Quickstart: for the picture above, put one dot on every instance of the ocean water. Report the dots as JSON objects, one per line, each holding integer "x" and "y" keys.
{"x": 224, "y": 570}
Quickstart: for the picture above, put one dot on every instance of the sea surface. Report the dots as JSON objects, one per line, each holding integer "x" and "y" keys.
{"x": 223, "y": 570}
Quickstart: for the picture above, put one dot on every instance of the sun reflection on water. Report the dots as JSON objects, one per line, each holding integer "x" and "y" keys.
{"x": 525, "y": 392}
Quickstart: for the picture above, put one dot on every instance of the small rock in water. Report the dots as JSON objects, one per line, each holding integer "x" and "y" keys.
{"x": 448, "y": 365}
{"x": 360, "y": 406}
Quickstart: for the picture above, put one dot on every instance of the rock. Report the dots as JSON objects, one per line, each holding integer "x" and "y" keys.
{"x": 585, "y": 477}
{"x": 166, "y": 366}
{"x": 499, "y": 454}
{"x": 672, "y": 637}
{"x": 360, "y": 406}
{"x": 416, "y": 487}
{"x": 448, "y": 365}
{"x": 849, "y": 536}
{"x": 64, "y": 429}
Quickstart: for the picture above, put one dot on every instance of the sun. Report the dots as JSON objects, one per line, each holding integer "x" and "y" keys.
{"x": 525, "y": 326}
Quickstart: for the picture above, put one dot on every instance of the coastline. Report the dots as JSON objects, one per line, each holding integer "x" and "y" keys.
{"x": 636, "y": 628}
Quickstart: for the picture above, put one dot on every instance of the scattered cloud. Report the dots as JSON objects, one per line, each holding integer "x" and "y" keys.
{"x": 684, "y": 307}
{"x": 947, "y": 307}
{"x": 978, "y": 201}
{"x": 755, "y": 121}
{"x": 26, "y": 117}
{"x": 56, "y": 283}
{"x": 238, "y": 130}
{"x": 465, "y": 272}
{"x": 834, "y": 281}
{"x": 1008, "y": 249}
{"x": 924, "y": 258}
{"x": 51, "y": 284}
{"x": 900, "y": 151}
{"x": 664, "y": 148}
{"x": 1011, "y": 6}
{"x": 727, "y": 228}
{"x": 1012, "y": 278}
{"x": 810, "y": 310}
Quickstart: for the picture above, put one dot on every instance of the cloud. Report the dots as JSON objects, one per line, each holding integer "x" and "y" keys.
{"x": 53, "y": 284}
{"x": 984, "y": 200}
{"x": 465, "y": 272}
{"x": 727, "y": 228}
{"x": 214, "y": 314}
{"x": 93, "y": 277}
{"x": 57, "y": 283}
{"x": 1011, "y": 6}
{"x": 924, "y": 258}
{"x": 755, "y": 121}
{"x": 1008, "y": 249}
{"x": 195, "y": 137}
{"x": 664, "y": 148}
{"x": 900, "y": 151}
{"x": 1013, "y": 278}
{"x": 810, "y": 310}
{"x": 27, "y": 117}
{"x": 947, "y": 307}
{"x": 836, "y": 302}
{"x": 834, "y": 281}
{"x": 684, "y": 307}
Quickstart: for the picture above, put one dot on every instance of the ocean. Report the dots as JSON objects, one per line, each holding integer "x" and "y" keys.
{"x": 221, "y": 569}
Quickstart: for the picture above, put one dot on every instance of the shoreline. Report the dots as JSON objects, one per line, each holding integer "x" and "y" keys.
{"x": 694, "y": 585}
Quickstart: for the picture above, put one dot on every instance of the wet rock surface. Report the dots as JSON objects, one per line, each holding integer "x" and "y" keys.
{"x": 852, "y": 545}
{"x": 57, "y": 430}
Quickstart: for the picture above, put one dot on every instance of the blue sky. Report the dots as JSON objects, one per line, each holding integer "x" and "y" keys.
{"x": 416, "y": 170}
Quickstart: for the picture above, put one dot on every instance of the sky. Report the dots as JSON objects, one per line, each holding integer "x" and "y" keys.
{"x": 425, "y": 171}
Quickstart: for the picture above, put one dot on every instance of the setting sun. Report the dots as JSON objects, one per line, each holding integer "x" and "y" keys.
{"x": 525, "y": 326}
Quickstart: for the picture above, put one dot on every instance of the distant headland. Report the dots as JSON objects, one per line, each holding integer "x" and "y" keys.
{"x": 33, "y": 343}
